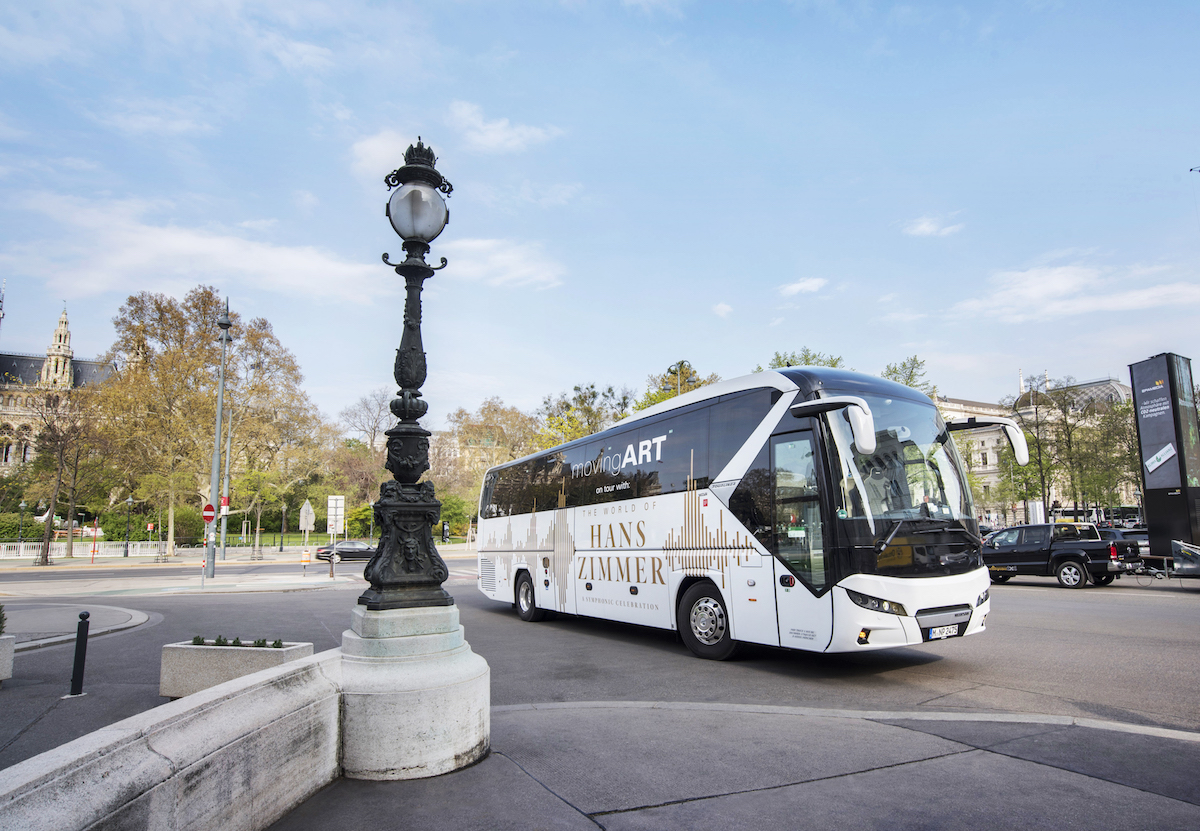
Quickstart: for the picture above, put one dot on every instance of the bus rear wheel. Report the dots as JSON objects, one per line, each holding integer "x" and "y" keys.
{"x": 704, "y": 623}
{"x": 526, "y": 609}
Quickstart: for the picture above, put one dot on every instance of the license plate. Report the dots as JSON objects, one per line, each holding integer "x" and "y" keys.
{"x": 939, "y": 632}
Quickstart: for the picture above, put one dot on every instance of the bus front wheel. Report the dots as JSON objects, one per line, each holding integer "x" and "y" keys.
{"x": 704, "y": 623}
{"x": 525, "y": 605}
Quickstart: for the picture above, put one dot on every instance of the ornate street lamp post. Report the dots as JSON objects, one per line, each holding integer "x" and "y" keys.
{"x": 128, "y": 509}
{"x": 407, "y": 571}
{"x": 415, "y": 698}
{"x": 21, "y": 527}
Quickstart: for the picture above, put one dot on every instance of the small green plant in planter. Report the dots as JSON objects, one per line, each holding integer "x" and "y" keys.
{"x": 278, "y": 644}
{"x": 236, "y": 642}
{"x": 260, "y": 642}
{"x": 198, "y": 640}
{"x": 220, "y": 640}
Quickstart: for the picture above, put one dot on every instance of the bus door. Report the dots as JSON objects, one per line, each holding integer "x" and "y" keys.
{"x": 802, "y": 547}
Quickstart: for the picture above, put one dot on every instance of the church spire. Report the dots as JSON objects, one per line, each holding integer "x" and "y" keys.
{"x": 56, "y": 371}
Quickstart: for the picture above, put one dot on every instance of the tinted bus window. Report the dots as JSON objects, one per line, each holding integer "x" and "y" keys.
{"x": 731, "y": 422}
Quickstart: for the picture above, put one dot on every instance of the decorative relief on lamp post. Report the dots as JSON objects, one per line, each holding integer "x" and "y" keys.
{"x": 407, "y": 571}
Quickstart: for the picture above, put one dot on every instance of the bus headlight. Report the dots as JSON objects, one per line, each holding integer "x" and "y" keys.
{"x": 891, "y": 607}
{"x": 982, "y": 598}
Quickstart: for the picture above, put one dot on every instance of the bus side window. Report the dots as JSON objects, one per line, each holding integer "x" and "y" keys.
{"x": 731, "y": 422}
{"x": 751, "y": 501}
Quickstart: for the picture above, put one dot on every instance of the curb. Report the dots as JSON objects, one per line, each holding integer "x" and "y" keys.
{"x": 136, "y": 619}
{"x": 863, "y": 715}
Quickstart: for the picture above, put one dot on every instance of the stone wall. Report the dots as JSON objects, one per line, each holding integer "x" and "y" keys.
{"x": 237, "y": 755}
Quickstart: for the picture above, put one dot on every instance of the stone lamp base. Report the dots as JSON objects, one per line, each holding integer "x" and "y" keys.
{"x": 415, "y": 699}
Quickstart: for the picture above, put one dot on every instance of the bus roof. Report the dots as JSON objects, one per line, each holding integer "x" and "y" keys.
{"x": 806, "y": 379}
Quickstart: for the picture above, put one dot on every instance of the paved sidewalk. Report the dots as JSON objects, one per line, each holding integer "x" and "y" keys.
{"x": 640, "y": 765}
{"x": 45, "y": 624}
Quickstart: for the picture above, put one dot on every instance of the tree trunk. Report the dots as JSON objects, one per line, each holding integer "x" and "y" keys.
{"x": 48, "y": 531}
{"x": 71, "y": 506}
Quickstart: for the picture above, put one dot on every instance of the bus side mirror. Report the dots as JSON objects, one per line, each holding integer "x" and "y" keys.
{"x": 858, "y": 411}
{"x": 1015, "y": 435}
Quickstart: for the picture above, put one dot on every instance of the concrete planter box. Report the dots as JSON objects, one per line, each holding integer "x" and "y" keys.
{"x": 187, "y": 668}
{"x": 7, "y": 644}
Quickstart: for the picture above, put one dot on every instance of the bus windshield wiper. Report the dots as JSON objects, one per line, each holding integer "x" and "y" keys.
{"x": 880, "y": 545}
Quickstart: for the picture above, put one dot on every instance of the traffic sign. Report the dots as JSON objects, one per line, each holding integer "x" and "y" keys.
{"x": 210, "y": 513}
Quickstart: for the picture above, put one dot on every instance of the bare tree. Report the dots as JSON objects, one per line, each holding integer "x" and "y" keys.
{"x": 369, "y": 417}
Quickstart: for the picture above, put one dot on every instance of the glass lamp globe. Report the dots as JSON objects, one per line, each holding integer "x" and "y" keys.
{"x": 417, "y": 212}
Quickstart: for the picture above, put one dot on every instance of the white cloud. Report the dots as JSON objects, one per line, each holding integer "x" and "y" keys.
{"x": 722, "y": 309}
{"x": 304, "y": 200}
{"x": 145, "y": 115}
{"x": 807, "y": 285}
{"x": 376, "y": 156}
{"x": 1050, "y": 292}
{"x": 110, "y": 246}
{"x": 671, "y": 7}
{"x": 497, "y": 136}
{"x": 548, "y": 196}
{"x": 258, "y": 224}
{"x": 928, "y": 226}
{"x": 500, "y": 262}
{"x": 295, "y": 54}
{"x": 775, "y": 321}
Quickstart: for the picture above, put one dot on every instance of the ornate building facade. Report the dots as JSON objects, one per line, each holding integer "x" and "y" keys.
{"x": 981, "y": 448}
{"x": 22, "y": 376}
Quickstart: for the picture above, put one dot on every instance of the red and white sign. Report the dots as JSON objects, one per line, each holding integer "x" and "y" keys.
{"x": 210, "y": 513}
{"x": 224, "y": 501}
{"x": 149, "y": 526}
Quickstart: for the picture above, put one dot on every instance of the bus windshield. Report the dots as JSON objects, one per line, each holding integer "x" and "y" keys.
{"x": 914, "y": 477}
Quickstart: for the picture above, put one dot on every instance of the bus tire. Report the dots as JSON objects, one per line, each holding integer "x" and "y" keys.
{"x": 704, "y": 623}
{"x": 1071, "y": 574}
{"x": 526, "y": 608}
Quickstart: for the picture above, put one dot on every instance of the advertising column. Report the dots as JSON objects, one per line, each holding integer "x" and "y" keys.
{"x": 1170, "y": 449}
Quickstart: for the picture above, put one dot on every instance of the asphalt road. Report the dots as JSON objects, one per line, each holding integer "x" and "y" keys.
{"x": 1126, "y": 653}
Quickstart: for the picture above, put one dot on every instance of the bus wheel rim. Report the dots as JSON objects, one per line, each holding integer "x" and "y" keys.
{"x": 708, "y": 621}
{"x": 526, "y": 600}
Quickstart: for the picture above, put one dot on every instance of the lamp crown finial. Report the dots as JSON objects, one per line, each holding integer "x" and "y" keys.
{"x": 419, "y": 153}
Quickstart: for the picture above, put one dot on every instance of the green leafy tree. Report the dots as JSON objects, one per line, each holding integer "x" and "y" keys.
{"x": 677, "y": 380}
{"x": 911, "y": 373}
{"x": 457, "y": 511}
{"x": 805, "y": 357}
{"x": 587, "y": 411}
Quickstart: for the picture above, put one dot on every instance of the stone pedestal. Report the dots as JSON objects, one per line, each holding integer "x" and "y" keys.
{"x": 415, "y": 699}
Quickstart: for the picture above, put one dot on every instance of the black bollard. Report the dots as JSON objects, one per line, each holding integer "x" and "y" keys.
{"x": 81, "y": 635}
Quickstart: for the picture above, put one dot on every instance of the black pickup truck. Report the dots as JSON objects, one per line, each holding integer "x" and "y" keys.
{"x": 1072, "y": 552}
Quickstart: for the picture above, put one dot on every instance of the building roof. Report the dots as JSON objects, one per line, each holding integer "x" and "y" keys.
{"x": 17, "y": 368}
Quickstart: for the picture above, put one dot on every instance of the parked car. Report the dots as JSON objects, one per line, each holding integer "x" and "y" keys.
{"x": 1140, "y": 536}
{"x": 1071, "y": 551}
{"x": 346, "y": 550}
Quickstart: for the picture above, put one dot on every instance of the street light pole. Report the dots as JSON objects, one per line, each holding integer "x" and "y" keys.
{"x": 677, "y": 370}
{"x": 128, "y": 510}
{"x": 210, "y": 536}
{"x": 407, "y": 572}
{"x": 282, "y": 525}
{"x": 21, "y": 528}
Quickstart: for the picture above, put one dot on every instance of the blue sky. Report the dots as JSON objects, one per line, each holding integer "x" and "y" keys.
{"x": 992, "y": 186}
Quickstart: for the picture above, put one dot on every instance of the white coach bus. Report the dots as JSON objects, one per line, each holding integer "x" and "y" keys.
{"x": 809, "y": 507}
